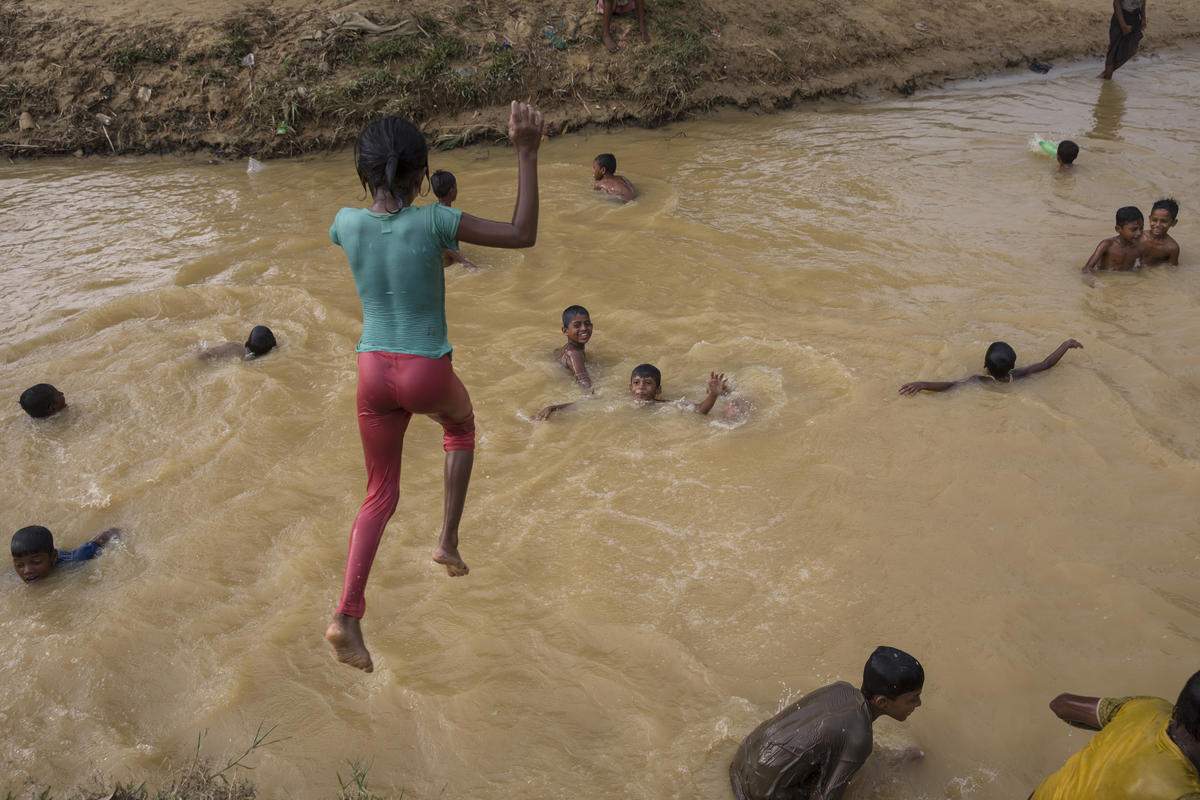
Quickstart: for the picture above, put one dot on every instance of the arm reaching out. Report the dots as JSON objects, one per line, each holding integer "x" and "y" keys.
{"x": 1049, "y": 361}
{"x": 714, "y": 386}
{"x": 916, "y": 387}
{"x": 1100, "y": 251}
{"x": 525, "y": 125}
{"x": 548, "y": 410}
{"x": 1077, "y": 710}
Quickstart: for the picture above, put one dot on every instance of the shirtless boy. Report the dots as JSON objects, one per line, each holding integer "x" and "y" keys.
{"x": 577, "y": 327}
{"x": 1160, "y": 247}
{"x": 1123, "y": 251}
{"x": 604, "y": 171}
{"x": 260, "y": 342}
{"x": 445, "y": 189}
{"x": 645, "y": 384}
{"x": 998, "y": 364}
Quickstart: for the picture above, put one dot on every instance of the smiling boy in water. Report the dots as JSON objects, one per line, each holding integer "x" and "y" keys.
{"x": 998, "y": 364}
{"x": 645, "y": 384}
{"x": 34, "y": 555}
{"x": 1123, "y": 251}
{"x": 1160, "y": 247}
{"x": 577, "y": 327}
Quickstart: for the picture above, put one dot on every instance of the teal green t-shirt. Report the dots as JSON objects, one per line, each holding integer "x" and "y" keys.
{"x": 397, "y": 264}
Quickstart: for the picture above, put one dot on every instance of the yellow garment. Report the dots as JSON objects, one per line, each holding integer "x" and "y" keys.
{"x": 1131, "y": 757}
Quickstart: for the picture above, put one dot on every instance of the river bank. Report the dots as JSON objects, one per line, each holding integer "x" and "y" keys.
{"x": 292, "y": 77}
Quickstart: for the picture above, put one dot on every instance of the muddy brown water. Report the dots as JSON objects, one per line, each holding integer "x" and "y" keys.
{"x": 646, "y": 585}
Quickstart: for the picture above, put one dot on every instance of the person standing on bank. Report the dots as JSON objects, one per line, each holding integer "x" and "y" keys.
{"x": 395, "y": 253}
{"x": 1124, "y": 32}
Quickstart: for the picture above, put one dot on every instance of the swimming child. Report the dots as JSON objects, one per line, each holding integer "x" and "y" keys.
{"x": 42, "y": 400}
{"x": 1159, "y": 245}
{"x": 604, "y": 171}
{"x": 395, "y": 254}
{"x": 1145, "y": 748}
{"x": 577, "y": 326}
{"x": 1123, "y": 251}
{"x": 815, "y": 746}
{"x": 34, "y": 555}
{"x": 998, "y": 363}
{"x": 645, "y": 384}
{"x": 445, "y": 189}
{"x": 1067, "y": 152}
{"x": 260, "y": 342}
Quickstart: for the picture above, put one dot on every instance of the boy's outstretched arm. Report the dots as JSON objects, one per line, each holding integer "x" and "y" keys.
{"x": 931, "y": 386}
{"x": 548, "y": 410}
{"x": 1048, "y": 362}
{"x": 579, "y": 369}
{"x": 104, "y": 537}
{"x": 1097, "y": 256}
{"x": 714, "y": 386}
{"x": 1077, "y": 710}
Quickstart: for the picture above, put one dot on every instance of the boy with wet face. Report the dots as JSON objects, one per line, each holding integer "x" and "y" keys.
{"x": 1160, "y": 247}
{"x": 645, "y": 384}
{"x": 577, "y": 327}
{"x": 1123, "y": 251}
{"x": 604, "y": 172}
{"x": 998, "y": 365}
{"x": 816, "y": 745}
{"x": 42, "y": 400}
{"x": 260, "y": 342}
{"x": 34, "y": 555}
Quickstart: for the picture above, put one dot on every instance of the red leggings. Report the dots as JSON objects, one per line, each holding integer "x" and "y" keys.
{"x": 391, "y": 388}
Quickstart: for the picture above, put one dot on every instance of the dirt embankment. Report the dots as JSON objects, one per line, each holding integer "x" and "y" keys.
{"x": 123, "y": 76}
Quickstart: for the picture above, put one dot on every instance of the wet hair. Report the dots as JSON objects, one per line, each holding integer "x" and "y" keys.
{"x": 1128, "y": 214}
{"x": 1068, "y": 151}
{"x": 1168, "y": 204}
{"x": 388, "y": 150}
{"x": 1000, "y": 359}
{"x": 607, "y": 162}
{"x": 261, "y": 340}
{"x": 1187, "y": 707}
{"x": 571, "y": 312}
{"x": 647, "y": 371}
{"x": 38, "y": 400}
{"x": 891, "y": 673}
{"x": 32, "y": 539}
{"x": 442, "y": 182}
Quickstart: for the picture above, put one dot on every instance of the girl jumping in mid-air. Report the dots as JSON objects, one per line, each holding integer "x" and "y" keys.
{"x": 395, "y": 253}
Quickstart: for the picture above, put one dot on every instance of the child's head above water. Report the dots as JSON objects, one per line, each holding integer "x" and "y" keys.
{"x": 604, "y": 164}
{"x": 1068, "y": 151}
{"x": 1168, "y": 205}
{"x": 1130, "y": 222}
{"x": 391, "y": 154}
{"x": 646, "y": 382}
{"x": 1000, "y": 360}
{"x": 33, "y": 552}
{"x": 445, "y": 186}
{"x": 260, "y": 342}
{"x": 577, "y": 325}
{"x": 892, "y": 682}
{"x": 42, "y": 400}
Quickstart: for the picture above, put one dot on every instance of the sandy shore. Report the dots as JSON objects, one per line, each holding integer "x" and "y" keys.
{"x": 118, "y": 76}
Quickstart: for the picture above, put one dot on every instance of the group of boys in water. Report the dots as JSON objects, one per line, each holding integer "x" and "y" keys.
{"x": 1146, "y": 748}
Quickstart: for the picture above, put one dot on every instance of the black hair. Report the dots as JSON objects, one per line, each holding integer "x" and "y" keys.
{"x": 38, "y": 400}
{"x": 607, "y": 162}
{"x": 1128, "y": 214}
{"x": 388, "y": 150}
{"x": 1068, "y": 151}
{"x": 442, "y": 182}
{"x": 1187, "y": 707}
{"x": 32, "y": 539}
{"x": 261, "y": 340}
{"x": 571, "y": 312}
{"x": 647, "y": 371}
{"x": 1000, "y": 359}
{"x": 1167, "y": 203}
{"x": 891, "y": 673}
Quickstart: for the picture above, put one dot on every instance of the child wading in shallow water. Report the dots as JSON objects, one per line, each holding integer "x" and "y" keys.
{"x": 395, "y": 252}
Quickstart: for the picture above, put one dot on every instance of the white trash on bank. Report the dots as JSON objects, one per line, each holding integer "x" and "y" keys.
{"x": 255, "y": 166}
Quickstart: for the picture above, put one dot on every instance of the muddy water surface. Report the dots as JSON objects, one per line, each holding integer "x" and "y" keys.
{"x": 647, "y": 584}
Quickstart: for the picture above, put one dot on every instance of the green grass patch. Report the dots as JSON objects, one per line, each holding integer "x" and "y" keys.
{"x": 126, "y": 58}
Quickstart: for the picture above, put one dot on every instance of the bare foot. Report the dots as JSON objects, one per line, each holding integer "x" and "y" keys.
{"x": 450, "y": 559}
{"x": 345, "y": 634}
{"x": 609, "y": 42}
